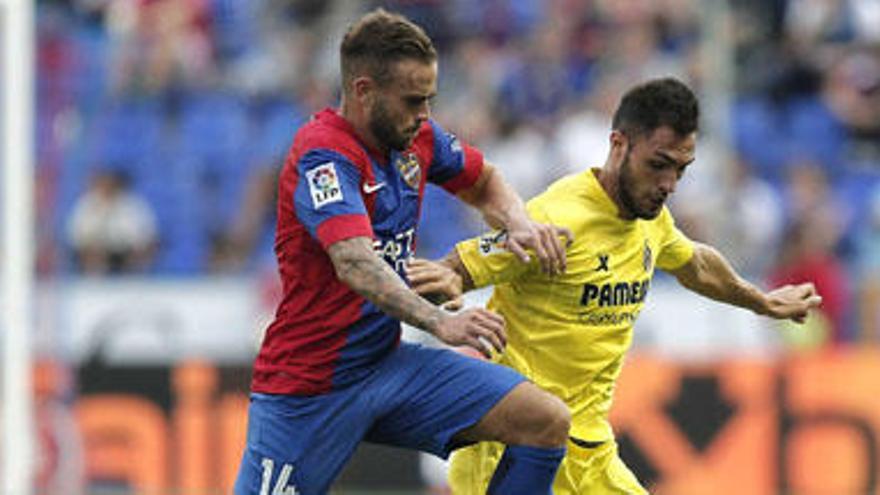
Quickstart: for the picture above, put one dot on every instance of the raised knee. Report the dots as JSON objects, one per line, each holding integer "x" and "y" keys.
{"x": 558, "y": 423}
{"x": 550, "y": 423}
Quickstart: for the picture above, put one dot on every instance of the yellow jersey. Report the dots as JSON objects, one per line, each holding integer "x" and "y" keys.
{"x": 568, "y": 333}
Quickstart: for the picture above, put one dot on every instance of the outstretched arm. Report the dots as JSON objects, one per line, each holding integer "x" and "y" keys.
{"x": 358, "y": 266}
{"x": 708, "y": 273}
{"x": 502, "y": 208}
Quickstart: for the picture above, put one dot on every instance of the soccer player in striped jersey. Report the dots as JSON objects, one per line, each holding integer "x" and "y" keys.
{"x": 331, "y": 370}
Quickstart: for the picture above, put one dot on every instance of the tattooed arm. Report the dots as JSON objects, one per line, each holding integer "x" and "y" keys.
{"x": 358, "y": 266}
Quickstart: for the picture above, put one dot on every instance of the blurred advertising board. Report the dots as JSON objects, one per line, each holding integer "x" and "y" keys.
{"x": 153, "y": 399}
{"x": 808, "y": 425}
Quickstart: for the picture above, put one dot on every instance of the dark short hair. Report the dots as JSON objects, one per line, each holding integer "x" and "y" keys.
{"x": 379, "y": 39}
{"x": 654, "y": 104}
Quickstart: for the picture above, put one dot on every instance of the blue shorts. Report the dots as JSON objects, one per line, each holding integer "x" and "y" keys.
{"x": 418, "y": 398}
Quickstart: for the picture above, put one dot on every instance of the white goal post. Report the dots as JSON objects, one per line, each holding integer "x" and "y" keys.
{"x": 17, "y": 248}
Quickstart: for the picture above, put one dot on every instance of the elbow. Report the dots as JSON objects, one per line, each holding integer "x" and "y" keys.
{"x": 342, "y": 274}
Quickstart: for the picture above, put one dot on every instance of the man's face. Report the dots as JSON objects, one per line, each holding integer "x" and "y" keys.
{"x": 652, "y": 166}
{"x": 400, "y": 107}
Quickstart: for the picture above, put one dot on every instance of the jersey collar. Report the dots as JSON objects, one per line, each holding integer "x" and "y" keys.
{"x": 331, "y": 117}
{"x": 599, "y": 192}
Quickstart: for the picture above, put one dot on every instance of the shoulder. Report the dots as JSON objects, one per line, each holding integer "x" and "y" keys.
{"x": 665, "y": 219}
{"x": 319, "y": 136}
{"x": 423, "y": 143}
{"x": 573, "y": 203}
{"x": 432, "y": 134}
{"x": 573, "y": 185}
{"x": 563, "y": 199}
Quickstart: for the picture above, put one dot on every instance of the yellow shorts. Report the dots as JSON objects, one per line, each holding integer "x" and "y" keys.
{"x": 591, "y": 471}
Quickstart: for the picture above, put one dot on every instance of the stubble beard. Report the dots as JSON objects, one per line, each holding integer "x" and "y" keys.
{"x": 625, "y": 186}
{"x": 383, "y": 129}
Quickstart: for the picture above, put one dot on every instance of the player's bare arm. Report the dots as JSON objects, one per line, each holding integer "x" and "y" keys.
{"x": 708, "y": 273}
{"x": 502, "y": 208}
{"x": 358, "y": 266}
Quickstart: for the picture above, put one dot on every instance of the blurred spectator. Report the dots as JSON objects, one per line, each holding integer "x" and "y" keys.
{"x": 815, "y": 21}
{"x": 582, "y": 137}
{"x": 431, "y": 14}
{"x": 805, "y": 256}
{"x": 809, "y": 194}
{"x": 839, "y": 127}
{"x": 807, "y": 253}
{"x": 754, "y": 220}
{"x": 635, "y": 40}
{"x": 499, "y": 21}
{"x": 537, "y": 85}
{"x": 528, "y": 79}
{"x": 852, "y": 94}
{"x": 160, "y": 43}
{"x": 523, "y": 155}
{"x": 469, "y": 85}
{"x": 249, "y": 236}
{"x": 867, "y": 265}
{"x": 111, "y": 229}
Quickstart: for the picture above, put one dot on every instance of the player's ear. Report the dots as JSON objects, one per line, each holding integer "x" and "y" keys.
{"x": 618, "y": 140}
{"x": 619, "y": 143}
{"x": 362, "y": 88}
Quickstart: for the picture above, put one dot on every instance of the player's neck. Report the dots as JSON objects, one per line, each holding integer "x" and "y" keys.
{"x": 358, "y": 120}
{"x": 609, "y": 179}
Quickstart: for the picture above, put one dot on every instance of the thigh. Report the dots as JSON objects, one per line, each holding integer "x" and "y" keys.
{"x": 299, "y": 444}
{"x": 432, "y": 394}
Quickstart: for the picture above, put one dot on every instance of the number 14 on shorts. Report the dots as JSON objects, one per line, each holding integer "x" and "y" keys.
{"x": 281, "y": 487}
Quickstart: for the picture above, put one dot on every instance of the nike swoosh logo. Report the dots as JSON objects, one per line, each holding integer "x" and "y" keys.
{"x": 371, "y": 188}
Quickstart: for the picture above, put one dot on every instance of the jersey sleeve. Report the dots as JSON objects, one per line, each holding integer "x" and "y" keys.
{"x": 456, "y": 165}
{"x": 327, "y": 198}
{"x": 675, "y": 249}
{"x": 487, "y": 260}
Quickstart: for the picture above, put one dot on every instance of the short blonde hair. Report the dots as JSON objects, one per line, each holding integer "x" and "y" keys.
{"x": 379, "y": 39}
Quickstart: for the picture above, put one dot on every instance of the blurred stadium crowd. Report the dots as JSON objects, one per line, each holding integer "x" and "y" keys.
{"x": 161, "y": 125}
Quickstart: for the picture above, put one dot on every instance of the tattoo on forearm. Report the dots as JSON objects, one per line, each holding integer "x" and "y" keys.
{"x": 369, "y": 276}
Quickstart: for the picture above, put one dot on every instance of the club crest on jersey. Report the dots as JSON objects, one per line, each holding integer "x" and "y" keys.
{"x": 410, "y": 170}
{"x": 647, "y": 257}
{"x": 324, "y": 184}
{"x": 493, "y": 242}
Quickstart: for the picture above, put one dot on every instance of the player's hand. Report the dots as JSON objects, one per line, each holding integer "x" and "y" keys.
{"x": 477, "y": 328}
{"x": 792, "y": 302}
{"x": 544, "y": 240}
{"x": 435, "y": 282}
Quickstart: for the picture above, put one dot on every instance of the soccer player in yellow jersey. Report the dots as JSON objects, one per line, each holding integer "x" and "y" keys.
{"x": 568, "y": 333}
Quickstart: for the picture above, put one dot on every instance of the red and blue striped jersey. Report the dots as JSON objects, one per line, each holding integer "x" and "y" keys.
{"x": 333, "y": 187}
